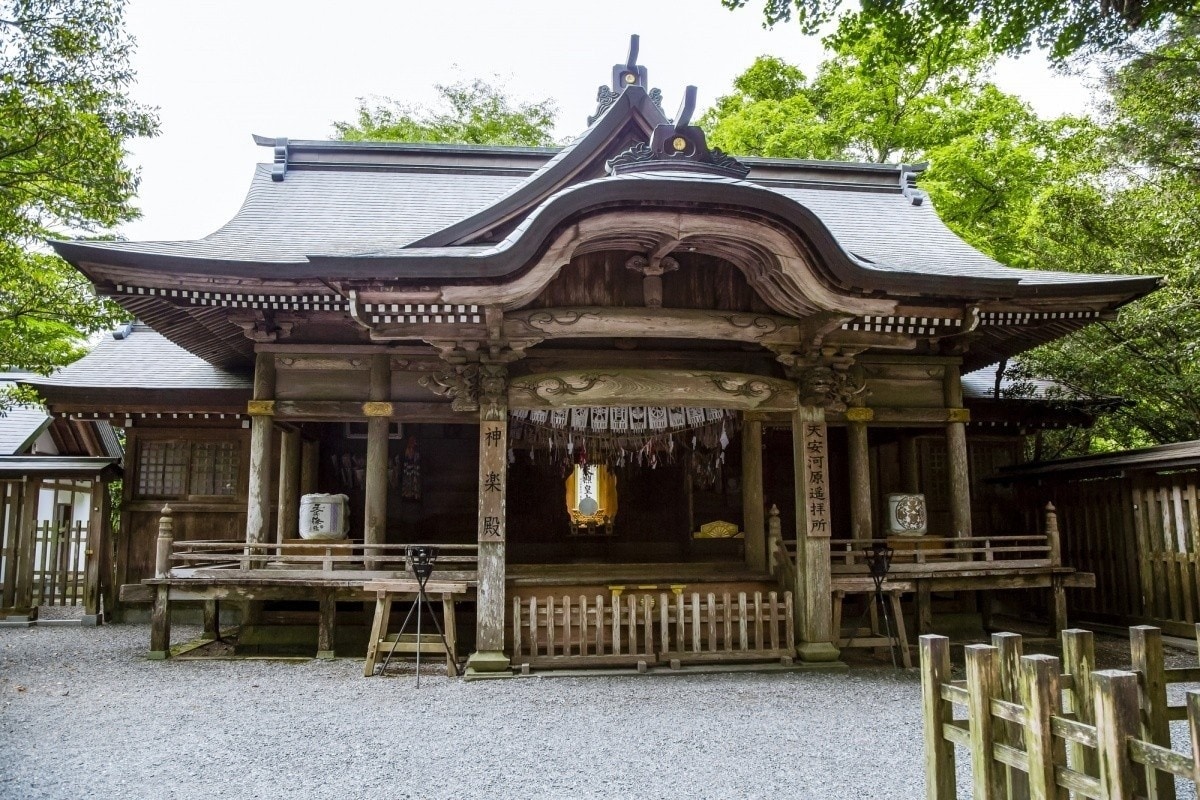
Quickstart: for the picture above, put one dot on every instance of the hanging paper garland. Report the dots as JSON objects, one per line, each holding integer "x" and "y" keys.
{"x": 622, "y": 436}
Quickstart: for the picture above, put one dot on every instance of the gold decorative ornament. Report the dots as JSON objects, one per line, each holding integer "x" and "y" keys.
{"x": 630, "y": 77}
{"x": 679, "y": 143}
{"x": 958, "y": 415}
{"x": 260, "y": 408}
{"x": 859, "y": 414}
{"x": 377, "y": 409}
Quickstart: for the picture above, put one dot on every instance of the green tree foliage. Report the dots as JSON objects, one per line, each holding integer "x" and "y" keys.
{"x": 1139, "y": 213}
{"x": 469, "y": 112}
{"x": 1063, "y": 27}
{"x": 64, "y": 121}
{"x": 1121, "y": 195}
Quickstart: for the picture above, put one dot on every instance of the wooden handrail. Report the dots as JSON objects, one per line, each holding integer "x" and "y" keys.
{"x": 316, "y": 554}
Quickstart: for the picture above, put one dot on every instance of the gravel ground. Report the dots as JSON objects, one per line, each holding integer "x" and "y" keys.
{"x": 83, "y": 714}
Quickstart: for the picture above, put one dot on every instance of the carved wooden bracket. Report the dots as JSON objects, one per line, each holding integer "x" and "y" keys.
{"x": 652, "y": 270}
{"x": 263, "y": 327}
{"x": 460, "y": 383}
{"x": 826, "y": 379}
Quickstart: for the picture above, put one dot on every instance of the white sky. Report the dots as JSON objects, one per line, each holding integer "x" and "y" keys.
{"x": 221, "y": 70}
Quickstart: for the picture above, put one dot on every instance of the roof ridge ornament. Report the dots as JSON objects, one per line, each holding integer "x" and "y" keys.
{"x": 908, "y": 182}
{"x": 624, "y": 76}
{"x": 680, "y": 146}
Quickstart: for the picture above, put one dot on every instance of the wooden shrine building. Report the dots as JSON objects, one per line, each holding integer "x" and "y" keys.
{"x": 569, "y": 368}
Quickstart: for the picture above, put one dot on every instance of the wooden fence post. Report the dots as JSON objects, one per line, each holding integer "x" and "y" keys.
{"x": 1146, "y": 653}
{"x": 1010, "y": 648}
{"x": 1042, "y": 698}
{"x": 1052, "y": 535}
{"x": 983, "y": 686}
{"x": 1193, "y": 720}
{"x": 939, "y": 753}
{"x": 1116, "y": 721}
{"x": 774, "y": 539}
{"x": 1079, "y": 654}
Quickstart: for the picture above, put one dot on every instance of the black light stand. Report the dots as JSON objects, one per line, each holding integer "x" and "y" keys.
{"x": 420, "y": 560}
{"x": 879, "y": 562}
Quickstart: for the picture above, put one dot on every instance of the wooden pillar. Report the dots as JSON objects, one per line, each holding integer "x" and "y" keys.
{"x": 261, "y": 410}
{"x": 310, "y": 453}
{"x": 814, "y": 617}
{"x": 861, "y": 524}
{"x": 752, "y": 494}
{"x": 378, "y": 412}
{"x": 98, "y": 543}
{"x": 490, "y": 606}
{"x": 958, "y": 463}
{"x": 910, "y": 463}
{"x": 26, "y": 537}
{"x": 287, "y": 510}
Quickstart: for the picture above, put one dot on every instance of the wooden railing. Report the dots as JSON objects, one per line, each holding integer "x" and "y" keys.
{"x": 926, "y": 554}
{"x": 1034, "y": 731}
{"x": 669, "y": 628}
{"x": 326, "y": 556}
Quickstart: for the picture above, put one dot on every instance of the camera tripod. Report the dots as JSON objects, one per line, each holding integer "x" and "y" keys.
{"x": 420, "y": 560}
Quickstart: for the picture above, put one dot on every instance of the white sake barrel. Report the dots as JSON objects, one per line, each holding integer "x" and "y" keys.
{"x": 907, "y": 515}
{"x": 324, "y": 516}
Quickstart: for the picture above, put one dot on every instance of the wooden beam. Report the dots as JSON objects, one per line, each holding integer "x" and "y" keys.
{"x": 652, "y": 387}
{"x": 352, "y": 410}
{"x": 589, "y": 322}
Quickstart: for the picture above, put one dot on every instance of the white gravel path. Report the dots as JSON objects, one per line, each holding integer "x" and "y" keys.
{"x": 82, "y": 714}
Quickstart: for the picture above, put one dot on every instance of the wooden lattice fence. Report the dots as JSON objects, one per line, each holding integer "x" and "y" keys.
{"x": 644, "y": 627}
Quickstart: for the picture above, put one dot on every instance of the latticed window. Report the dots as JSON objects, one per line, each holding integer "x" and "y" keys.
{"x": 162, "y": 469}
{"x": 214, "y": 468}
{"x": 181, "y": 468}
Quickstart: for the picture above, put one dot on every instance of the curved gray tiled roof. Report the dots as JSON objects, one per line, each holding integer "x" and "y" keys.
{"x": 333, "y": 212}
{"x": 21, "y": 425}
{"x": 144, "y": 359}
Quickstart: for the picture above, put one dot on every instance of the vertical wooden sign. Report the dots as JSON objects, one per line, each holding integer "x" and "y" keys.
{"x": 812, "y": 478}
{"x": 493, "y": 479}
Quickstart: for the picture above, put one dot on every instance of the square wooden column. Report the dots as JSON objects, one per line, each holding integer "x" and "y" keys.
{"x": 378, "y": 413}
{"x": 958, "y": 461}
{"x": 814, "y": 600}
{"x": 491, "y": 603}
{"x": 752, "y": 494}
{"x": 261, "y": 410}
